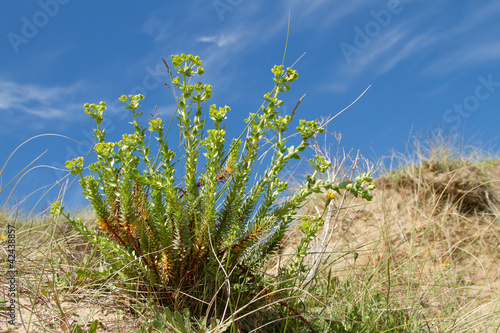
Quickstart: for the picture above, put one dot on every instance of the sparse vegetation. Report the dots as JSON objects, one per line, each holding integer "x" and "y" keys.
{"x": 421, "y": 257}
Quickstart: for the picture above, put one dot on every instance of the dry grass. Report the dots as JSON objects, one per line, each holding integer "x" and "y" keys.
{"x": 59, "y": 283}
{"x": 426, "y": 250}
{"x": 428, "y": 243}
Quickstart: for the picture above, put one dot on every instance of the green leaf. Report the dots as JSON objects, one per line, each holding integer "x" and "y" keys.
{"x": 94, "y": 326}
{"x": 81, "y": 273}
{"x": 77, "y": 329}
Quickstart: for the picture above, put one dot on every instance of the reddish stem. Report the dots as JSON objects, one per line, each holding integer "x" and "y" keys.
{"x": 200, "y": 184}
{"x": 242, "y": 241}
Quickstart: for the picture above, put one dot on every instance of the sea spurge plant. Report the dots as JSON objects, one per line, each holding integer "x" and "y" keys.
{"x": 75, "y": 165}
{"x": 185, "y": 227}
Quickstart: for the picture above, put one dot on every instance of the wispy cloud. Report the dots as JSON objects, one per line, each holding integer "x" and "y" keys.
{"x": 382, "y": 51}
{"x": 479, "y": 14}
{"x": 305, "y": 12}
{"x": 42, "y": 102}
{"x": 157, "y": 28}
{"x": 412, "y": 46}
{"x": 222, "y": 39}
{"x": 469, "y": 55}
{"x": 166, "y": 111}
{"x": 467, "y": 42}
{"x": 416, "y": 39}
{"x": 478, "y": 44}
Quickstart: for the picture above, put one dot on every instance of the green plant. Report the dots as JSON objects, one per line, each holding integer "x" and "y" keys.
{"x": 168, "y": 321}
{"x": 92, "y": 328}
{"x": 197, "y": 235}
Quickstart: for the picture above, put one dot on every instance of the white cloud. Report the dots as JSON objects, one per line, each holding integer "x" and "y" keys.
{"x": 466, "y": 56}
{"x": 375, "y": 55}
{"x": 157, "y": 28}
{"x": 482, "y": 14}
{"x": 46, "y": 103}
{"x": 305, "y": 12}
{"x": 166, "y": 111}
{"x": 221, "y": 40}
{"x": 468, "y": 43}
{"x": 414, "y": 45}
{"x": 417, "y": 39}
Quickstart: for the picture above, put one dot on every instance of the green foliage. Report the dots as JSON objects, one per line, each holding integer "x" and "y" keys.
{"x": 92, "y": 328}
{"x": 197, "y": 234}
{"x": 177, "y": 322}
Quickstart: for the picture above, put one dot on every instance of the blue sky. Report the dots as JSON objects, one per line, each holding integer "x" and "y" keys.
{"x": 431, "y": 65}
